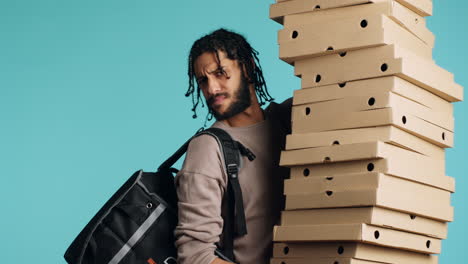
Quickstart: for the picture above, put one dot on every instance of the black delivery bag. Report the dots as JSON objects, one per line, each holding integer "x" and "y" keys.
{"x": 136, "y": 225}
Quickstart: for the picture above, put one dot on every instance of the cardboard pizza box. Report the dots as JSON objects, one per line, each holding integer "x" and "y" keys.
{"x": 376, "y": 100}
{"x": 351, "y": 152}
{"x": 364, "y": 181}
{"x": 422, "y": 170}
{"x": 375, "y": 62}
{"x": 371, "y": 189}
{"x": 400, "y": 118}
{"x": 323, "y": 261}
{"x": 358, "y": 233}
{"x": 368, "y": 215}
{"x": 392, "y": 84}
{"x": 367, "y": 197}
{"x": 406, "y": 18}
{"x": 283, "y": 8}
{"x": 388, "y": 134}
{"x": 362, "y": 251}
{"x": 359, "y": 32}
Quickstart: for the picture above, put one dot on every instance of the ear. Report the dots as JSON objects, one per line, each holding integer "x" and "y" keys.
{"x": 244, "y": 71}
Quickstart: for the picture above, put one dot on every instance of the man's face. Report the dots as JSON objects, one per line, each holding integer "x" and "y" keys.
{"x": 223, "y": 85}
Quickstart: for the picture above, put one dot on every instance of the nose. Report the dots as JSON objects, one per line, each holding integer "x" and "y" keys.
{"x": 213, "y": 86}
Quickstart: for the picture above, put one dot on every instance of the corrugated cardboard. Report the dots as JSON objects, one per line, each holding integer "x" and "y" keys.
{"x": 397, "y": 12}
{"x": 379, "y": 61}
{"x": 366, "y": 87}
{"x": 387, "y": 134}
{"x": 359, "y": 198}
{"x": 379, "y": 117}
{"x": 432, "y": 174}
{"x": 350, "y": 152}
{"x": 350, "y": 250}
{"x": 283, "y": 8}
{"x": 345, "y": 35}
{"x": 375, "y": 100}
{"x": 358, "y": 232}
{"x": 363, "y": 181}
{"x": 371, "y": 189}
{"x": 368, "y": 215}
{"x": 323, "y": 261}
{"x": 421, "y": 7}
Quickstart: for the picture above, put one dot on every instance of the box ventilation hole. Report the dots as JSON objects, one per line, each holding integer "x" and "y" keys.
{"x": 371, "y": 101}
{"x": 306, "y": 172}
{"x": 403, "y": 119}
{"x": 327, "y": 159}
{"x": 330, "y": 48}
{"x": 342, "y": 54}
{"x": 443, "y": 135}
{"x": 376, "y": 234}
{"x": 364, "y": 23}
{"x": 384, "y": 67}
{"x": 341, "y": 85}
{"x": 286, "y": 250}
{"x": 318, "y": 78}
{"x": 329, "y": 193}
{"x": 336, "y": 142}
{"x": 428, "y": 244}
{"x": 329, "y": 178}
{"x": 412, "y": 217}
{"x": 370, "y": 167}
{"x": 340, "y": 250}
{"x": 307, "y": 110}
{"x": 317, "y": 7}
{"x": 294, "y": 34}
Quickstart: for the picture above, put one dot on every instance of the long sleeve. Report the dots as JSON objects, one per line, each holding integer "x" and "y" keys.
{"x": 202, "y": 182}
{"x": 200, "y": 187}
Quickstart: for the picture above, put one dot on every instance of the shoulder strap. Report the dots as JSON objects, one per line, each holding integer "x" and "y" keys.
{"x": 230, "y": 150}
{"x": 234, "y": 217}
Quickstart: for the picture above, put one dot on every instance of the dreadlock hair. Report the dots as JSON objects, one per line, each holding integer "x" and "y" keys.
{"x": 237, "y": 48}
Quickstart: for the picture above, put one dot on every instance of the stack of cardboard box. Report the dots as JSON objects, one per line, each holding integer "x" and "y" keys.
{"x": 369, "y": 128}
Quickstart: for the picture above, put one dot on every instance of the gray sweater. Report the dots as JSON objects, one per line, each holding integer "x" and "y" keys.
{"x": 202, "y": 183}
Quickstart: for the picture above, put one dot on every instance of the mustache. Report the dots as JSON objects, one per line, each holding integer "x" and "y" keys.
{"x": 212, "y": 98}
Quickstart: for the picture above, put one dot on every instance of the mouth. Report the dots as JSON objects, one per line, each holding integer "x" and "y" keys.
{"x": 217, "y": 100}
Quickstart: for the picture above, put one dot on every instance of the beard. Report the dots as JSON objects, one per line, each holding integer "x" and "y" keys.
{"x": 240, "y": 103}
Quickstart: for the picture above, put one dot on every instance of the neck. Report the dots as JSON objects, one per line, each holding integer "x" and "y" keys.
{"x": 250, "y": 116}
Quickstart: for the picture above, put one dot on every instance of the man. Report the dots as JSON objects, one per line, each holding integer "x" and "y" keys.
{"x": 227, "y": 73}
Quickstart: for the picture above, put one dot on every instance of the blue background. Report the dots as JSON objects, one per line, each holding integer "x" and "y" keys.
{"x": 91, "y": 91}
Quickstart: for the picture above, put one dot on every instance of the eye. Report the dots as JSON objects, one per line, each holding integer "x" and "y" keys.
{"x": 220, "y": 72}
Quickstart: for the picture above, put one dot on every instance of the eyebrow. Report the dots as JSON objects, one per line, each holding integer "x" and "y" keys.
{"x": 219, "y": 68}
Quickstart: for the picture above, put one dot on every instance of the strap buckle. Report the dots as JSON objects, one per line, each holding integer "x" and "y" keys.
{"x": 232, "y": 170}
